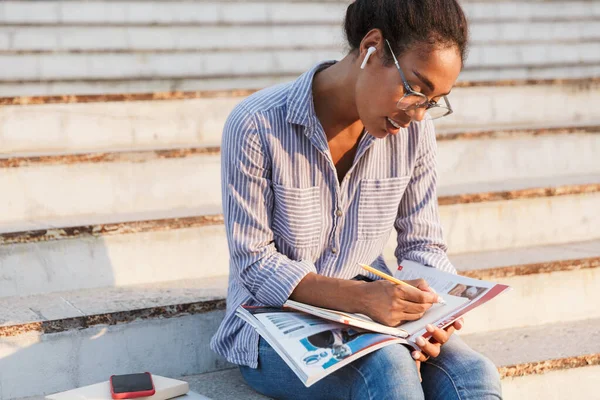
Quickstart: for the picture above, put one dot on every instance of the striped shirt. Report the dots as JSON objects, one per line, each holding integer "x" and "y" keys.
{"x": 286, "y": 214}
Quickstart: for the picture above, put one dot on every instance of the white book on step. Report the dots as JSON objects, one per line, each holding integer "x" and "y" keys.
{"x": 166, "y": 388}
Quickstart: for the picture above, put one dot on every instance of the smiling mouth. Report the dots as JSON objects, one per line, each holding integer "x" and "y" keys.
{"x": 396, "y": 124}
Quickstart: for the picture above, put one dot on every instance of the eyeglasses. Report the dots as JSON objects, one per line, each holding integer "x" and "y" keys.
{"x": 413, "y": 100}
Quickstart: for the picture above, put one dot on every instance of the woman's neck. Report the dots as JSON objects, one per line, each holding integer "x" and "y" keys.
{"x": 335, "y": 105}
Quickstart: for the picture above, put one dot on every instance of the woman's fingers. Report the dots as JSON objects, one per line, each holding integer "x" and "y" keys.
{"x": 458, "y": 324}
{"x": 440, "y": 335}
{"x": 415, "y": 308}
{"x": 419, "y": 283}
{"x": 410, "y": 317}
{"x": 438, "y": 338}
{"x": 414, "y": 295}
{"x": 419, "y": 370}
{"x": 431, "y": 349}
{"x": 448, "y": 331}
{"x": 433, "y": 346}
{"x": 418, "y": 356}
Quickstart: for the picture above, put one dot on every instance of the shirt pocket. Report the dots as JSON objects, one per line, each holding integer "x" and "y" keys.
{"x": 378, "y": 205}
{"x": 297, "y": 215}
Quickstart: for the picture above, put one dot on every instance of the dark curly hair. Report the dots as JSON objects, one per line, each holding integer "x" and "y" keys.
{"x": 407, "y": 23}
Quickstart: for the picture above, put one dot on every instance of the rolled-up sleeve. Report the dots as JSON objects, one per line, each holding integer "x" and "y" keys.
{"x": 269, "y": 276}
{"x": 420, "y": 235}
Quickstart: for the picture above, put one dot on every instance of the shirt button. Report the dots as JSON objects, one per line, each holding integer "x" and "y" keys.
{"x": 339, "y": 213}
{"x": 333, "y": 250}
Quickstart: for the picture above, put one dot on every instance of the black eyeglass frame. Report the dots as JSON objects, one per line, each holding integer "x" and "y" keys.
{"x": 408, "y": 91}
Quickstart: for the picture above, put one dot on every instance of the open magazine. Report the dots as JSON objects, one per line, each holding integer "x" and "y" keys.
{"x": 312, "y": 347}
{"x": 316, "y": 341}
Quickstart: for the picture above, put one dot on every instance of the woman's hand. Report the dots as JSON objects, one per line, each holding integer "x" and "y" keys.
{"x": 433, "y": 346}
{"x": 439, "y": 336}
{"x": 391, "y": 304}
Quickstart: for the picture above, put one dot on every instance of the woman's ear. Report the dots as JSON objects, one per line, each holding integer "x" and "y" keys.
{"x": 371, "y": 42}
{"x": 370, "y": 51}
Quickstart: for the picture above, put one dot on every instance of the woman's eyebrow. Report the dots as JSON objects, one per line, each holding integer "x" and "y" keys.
{"x": 427, "y": 82}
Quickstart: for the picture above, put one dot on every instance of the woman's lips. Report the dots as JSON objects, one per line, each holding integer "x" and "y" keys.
{"x": 391, "y": 129}
{"x": 401, "y": 124}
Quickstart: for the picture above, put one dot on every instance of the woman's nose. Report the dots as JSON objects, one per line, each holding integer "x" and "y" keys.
{"x": 419, "y": 114}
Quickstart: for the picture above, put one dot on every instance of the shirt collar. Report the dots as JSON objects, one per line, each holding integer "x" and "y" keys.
{"x": 300, "y": 104}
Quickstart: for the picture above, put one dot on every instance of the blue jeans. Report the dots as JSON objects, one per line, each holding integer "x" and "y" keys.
{"x": 389, "y": 373}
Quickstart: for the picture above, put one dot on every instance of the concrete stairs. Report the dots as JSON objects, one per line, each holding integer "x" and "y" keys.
{"x": 113, "y": 257}
{"x": 56, "y": 47}
{"x": 523, "y": 374}
{"x": 550, "y": 367}
{"x": 78, "y": 337}
{"x": 134, "y": 122}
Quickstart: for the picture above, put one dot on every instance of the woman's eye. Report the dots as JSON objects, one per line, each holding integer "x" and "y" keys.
{"x": 414, "y": 86}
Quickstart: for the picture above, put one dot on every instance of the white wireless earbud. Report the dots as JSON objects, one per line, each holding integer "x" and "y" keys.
{"x": 370, "y": 51}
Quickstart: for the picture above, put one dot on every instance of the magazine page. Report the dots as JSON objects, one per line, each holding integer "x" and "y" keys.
{"x": 311, "y": 346}
{"x": 356, "y": 320}
{"x": 460, "y": 293}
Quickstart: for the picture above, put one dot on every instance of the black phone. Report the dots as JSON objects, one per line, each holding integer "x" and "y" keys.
{"x": 131, "y": 386}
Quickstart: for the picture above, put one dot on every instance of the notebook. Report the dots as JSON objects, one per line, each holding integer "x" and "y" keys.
{"x": 166, "y": 388}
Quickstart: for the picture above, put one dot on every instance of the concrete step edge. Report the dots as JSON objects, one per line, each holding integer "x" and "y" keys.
{"x": 523, "y": 193}
{"x": 538, "y": 349}
{"x": 533, "y": 269}
{"x": 72, "y": 231}
{"x": 182, "y": 95}
{"x": 136, "y": 156}
{"x": 298, "y": 1}
{"x": 229, "y": 49}
{"x": 501, "y": 264}
{"x": 511, "y": 371}
{"x": 290, "y": 75}
{"x": 229, "y": 383}
{"x": 283, "y": 21}
{"x": 515, "y": 132}
{"x": 118, "y": 228}
{"x": 79, "y": 309}
{"x": 8, "y": 160}
{"x": 542, "y": 367}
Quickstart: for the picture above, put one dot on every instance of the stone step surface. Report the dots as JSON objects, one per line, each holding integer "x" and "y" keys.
{"x": 113, "y": 255}
{"x": 546, "y": 362}
{"x": 55, "y": 47}
{"x": 108, "y": 331}
{"x": 544, "y": 275}
{"x": 541, "y": 279}
{"x": 501, "y": 224}
{"x": 143, "y": 39}
{"x": 74, "y": 124}
{"x": 517, "y": 155}
{"x": 103, "y": 184}
{"x": 100, "y": 184}
{"x": 132, "y": 249}
{"x": 261, "y": 62}
{"x": 59, "y": 87}
{"x": 78, "y": 309}
{"x": 259, "y": 12}
{"x": 528, "y": 359}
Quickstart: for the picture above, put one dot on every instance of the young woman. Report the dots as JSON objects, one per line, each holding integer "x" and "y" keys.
{"x": 316, "y": 174}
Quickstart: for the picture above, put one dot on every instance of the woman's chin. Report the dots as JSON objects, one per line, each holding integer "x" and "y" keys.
{"x": 381, "y": 131}
{"x": 379, "y": 134}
